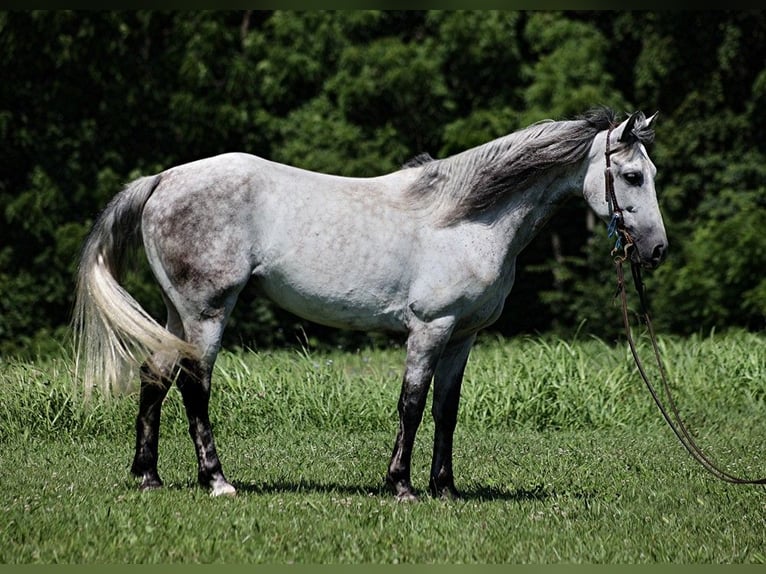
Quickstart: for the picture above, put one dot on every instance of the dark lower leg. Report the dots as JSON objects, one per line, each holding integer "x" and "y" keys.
{"x": 424, "y": 346}
{"x": 194, "y": 384}
{"x": 442, "y": 480}
{"x": 411, "y": 405}
{"x": 154, "y": 388}
{"x": 447, "y": 385}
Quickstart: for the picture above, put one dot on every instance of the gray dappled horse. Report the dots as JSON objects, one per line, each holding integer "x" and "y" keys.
{"x": 428, "y": 250}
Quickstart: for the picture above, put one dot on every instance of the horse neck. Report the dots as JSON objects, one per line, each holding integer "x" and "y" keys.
{"x": 512, "y": 224}
{"x": 521, "y": 215}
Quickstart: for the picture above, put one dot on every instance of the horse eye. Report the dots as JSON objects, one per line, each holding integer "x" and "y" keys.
{"x": 634, "y": 178}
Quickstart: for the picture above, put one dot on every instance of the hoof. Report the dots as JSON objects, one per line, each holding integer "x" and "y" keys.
{"x": 446, "y": 492}
{"x": 150, "y": 481}
{"x": 403, "y": 491}
{"x": 222, "y": 488}
{"x": 406, "y": 497}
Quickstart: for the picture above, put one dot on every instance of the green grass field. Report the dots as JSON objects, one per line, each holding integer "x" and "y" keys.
{"x": 560, "y": 453}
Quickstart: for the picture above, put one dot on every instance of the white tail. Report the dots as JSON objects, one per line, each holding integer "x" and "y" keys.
{"x": 112, "y": 331}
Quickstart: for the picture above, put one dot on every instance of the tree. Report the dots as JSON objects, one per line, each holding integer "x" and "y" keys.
{"x": 91, "y": 99}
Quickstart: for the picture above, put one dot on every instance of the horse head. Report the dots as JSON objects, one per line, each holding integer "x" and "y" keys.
{"x": 619, "y": 187}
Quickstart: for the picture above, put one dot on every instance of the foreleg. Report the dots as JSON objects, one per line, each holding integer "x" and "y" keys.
{"x": 447, "y": 385}
{"x": 424, "y": 346}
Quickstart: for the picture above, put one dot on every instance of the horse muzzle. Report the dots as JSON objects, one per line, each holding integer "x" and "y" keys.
{"x": 649, "y": 254}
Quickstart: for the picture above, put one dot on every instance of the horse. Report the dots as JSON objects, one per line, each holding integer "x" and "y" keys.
{"x": 427, "y": 251}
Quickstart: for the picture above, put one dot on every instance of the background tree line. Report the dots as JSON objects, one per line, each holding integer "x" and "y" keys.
{"x": 92, "y": 99}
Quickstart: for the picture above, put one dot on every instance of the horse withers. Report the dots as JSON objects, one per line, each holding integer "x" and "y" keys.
{"x": 428, "y": 251}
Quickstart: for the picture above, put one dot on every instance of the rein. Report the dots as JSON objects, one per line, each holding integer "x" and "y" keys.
{"x": 620, "y": 253}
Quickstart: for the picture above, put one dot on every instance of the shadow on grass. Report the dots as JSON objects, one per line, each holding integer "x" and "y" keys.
{"x": 478, "y": 493}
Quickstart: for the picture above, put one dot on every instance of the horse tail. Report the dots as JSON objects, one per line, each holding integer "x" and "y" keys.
{"x": 112, "y": 331}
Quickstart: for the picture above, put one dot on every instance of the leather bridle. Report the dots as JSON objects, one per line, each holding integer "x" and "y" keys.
{"x": 621, "y": 253}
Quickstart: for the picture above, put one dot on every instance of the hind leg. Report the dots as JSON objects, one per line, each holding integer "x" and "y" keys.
{"x": 194, "y": 383}
{"x": 154, "y": 388}
{"x": 199, "y": 247}
{"x": 156, "y": 378}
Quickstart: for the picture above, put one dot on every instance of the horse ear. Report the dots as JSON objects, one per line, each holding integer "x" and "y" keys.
{"x": 651, "y": 119}
{"x": 627, "y": 132}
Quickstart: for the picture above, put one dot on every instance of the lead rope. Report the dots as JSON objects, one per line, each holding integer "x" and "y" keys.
{"x": 675, "y": 422}
{"x": 620, "y": 253}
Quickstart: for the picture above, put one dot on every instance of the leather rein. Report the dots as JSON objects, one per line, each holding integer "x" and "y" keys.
{"x": 621, "y": 253}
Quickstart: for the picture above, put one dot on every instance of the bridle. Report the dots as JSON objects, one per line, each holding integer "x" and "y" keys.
{"x": 616, "y": 223}
{"x": 621, "y": 253}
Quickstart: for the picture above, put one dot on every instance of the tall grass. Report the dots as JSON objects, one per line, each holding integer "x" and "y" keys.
{"x": 528, "y": 383}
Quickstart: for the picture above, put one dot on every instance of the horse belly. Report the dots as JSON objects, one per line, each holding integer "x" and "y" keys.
{"x": 337, "y": 283}
{"x": 336, "y": 303}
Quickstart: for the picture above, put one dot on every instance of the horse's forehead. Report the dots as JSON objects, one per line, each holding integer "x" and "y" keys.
{"x": 637, "y": 154}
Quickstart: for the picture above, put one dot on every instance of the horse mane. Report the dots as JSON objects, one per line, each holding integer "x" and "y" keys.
{"x": 418, "y": 160}
{"x": 473, "y": 181}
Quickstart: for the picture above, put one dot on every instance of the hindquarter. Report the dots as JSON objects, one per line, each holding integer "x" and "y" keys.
{"x": 198, "y": 234}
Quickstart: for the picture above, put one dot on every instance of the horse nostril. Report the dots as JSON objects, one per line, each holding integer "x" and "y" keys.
{"x": 659, "y": 253}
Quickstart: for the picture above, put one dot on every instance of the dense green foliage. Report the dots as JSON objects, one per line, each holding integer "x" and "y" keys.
{"x": 91, "y": 99}
{"x": 559, "y": 452}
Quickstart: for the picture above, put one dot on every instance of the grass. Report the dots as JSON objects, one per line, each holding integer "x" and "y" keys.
{"x": 560, "y": 454}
